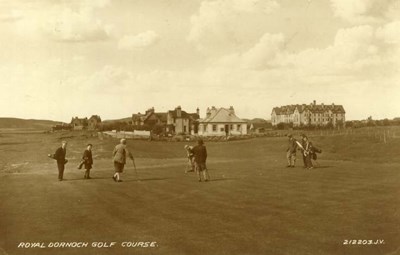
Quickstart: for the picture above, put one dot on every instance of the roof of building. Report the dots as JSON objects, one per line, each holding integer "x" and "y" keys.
{"x": 161, "y": 116}
{"x": 95, "y": 117}
{"x": 222, "y": 115}
{"x": 184, "y": 115}
{"x": 313, "y": 108}
{"x": 79, "y": 120}
{"x": 143, "y": 117}
{"x": 138, "y": 116}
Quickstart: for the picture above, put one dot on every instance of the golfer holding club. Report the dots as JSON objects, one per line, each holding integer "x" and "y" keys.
{"x": 119, "y": 156}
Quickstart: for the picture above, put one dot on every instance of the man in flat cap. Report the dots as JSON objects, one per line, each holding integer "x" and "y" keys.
{"x": 119, "y": 156}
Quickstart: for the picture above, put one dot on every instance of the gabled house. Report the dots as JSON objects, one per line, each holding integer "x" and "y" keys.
{"x": 150, "y": 118}
{"x": 138, "y": 119}
{"x": 153, "y": 118}
{"x": 181, "y": 122}
{"x": 94, "y": 122}
{"x": 79, "y": 123}
{"x": 221, "y": 122}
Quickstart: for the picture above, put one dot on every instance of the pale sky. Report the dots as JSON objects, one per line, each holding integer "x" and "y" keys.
{"x": 60, "y": 58}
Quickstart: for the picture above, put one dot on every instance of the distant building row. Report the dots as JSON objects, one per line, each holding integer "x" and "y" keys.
{"x": 221, "y": 121}
{"x": 217, "y": 122}
{"x": 76, "y": 123}
{"x": 176, "y": 121}
{"x": 92, "y": 123}
{"x": 312, "y": 114}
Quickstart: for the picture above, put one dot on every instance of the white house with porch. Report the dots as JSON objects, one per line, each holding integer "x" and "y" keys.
{"x": 221, "y": 122}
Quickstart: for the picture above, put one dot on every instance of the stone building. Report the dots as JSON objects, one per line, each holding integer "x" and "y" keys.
{"x": 312, "y": 114}
{"x": 221, "y": 122}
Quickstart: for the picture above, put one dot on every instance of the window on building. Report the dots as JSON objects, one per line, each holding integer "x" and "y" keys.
{"x": 214, "y": 128}
{"x": 222, "y": 129}
{"x": 184, "y": 129}
{"x": 232, "y": 127}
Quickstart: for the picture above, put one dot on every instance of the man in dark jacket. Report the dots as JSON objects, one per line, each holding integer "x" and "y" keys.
{"x": 61, "y": 161}
{"x": 87, "y": 160}
{"x": 307, "y": 152}
{"x": 200, "y": 158}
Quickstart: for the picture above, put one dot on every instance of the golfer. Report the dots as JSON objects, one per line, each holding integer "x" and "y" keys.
{"x": 307, "y": 152}
{"x": 291, "y": 151}
{"x": 119, "y": 156}
{"x": 200, "y": 158}
{"x": 87, "y": 160}
{"x": 59, "y": 155}
{"x": 190, "y": 156}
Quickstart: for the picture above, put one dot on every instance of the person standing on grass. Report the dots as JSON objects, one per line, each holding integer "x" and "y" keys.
{"x": 59, "y": 156}
{"x": 291, "y": 151}
{"x": 301, "y": 145}
{"x": 190, "y": 156}
{"x": 200, "y": 158}
{"x": 119, "y": 156}
{"x": 307, "y": 152}
{"x": 87, "y": 160}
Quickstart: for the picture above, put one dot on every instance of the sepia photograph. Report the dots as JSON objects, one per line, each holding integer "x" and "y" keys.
{"x": 200, "y": 127}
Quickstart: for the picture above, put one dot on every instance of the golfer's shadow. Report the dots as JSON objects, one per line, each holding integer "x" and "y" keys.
{"x": 146, "y": 179}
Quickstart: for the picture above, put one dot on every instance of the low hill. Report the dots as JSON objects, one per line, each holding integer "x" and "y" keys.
{"x": 15, "y": 123}
{"x": 260, "y": 120}
{"x": 257, "y": 120}
{"x": 128, "y": 119}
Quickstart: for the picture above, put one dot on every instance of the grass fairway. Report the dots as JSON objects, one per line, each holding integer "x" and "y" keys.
{"x": 253, "y": 205}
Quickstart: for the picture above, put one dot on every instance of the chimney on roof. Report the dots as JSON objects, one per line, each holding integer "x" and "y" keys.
{"x": 208, "y": 112}
{"x": 322, "y": 105}
{"x": 231, "y": 110}
{"x": 213, "y": 110}
{"x": 333, "y": 105}
{"x": 198, "y": 111}
{"x": 178, "y": 111}
{"x": 150, "y": 110}
{"x": 314, "y": 102}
